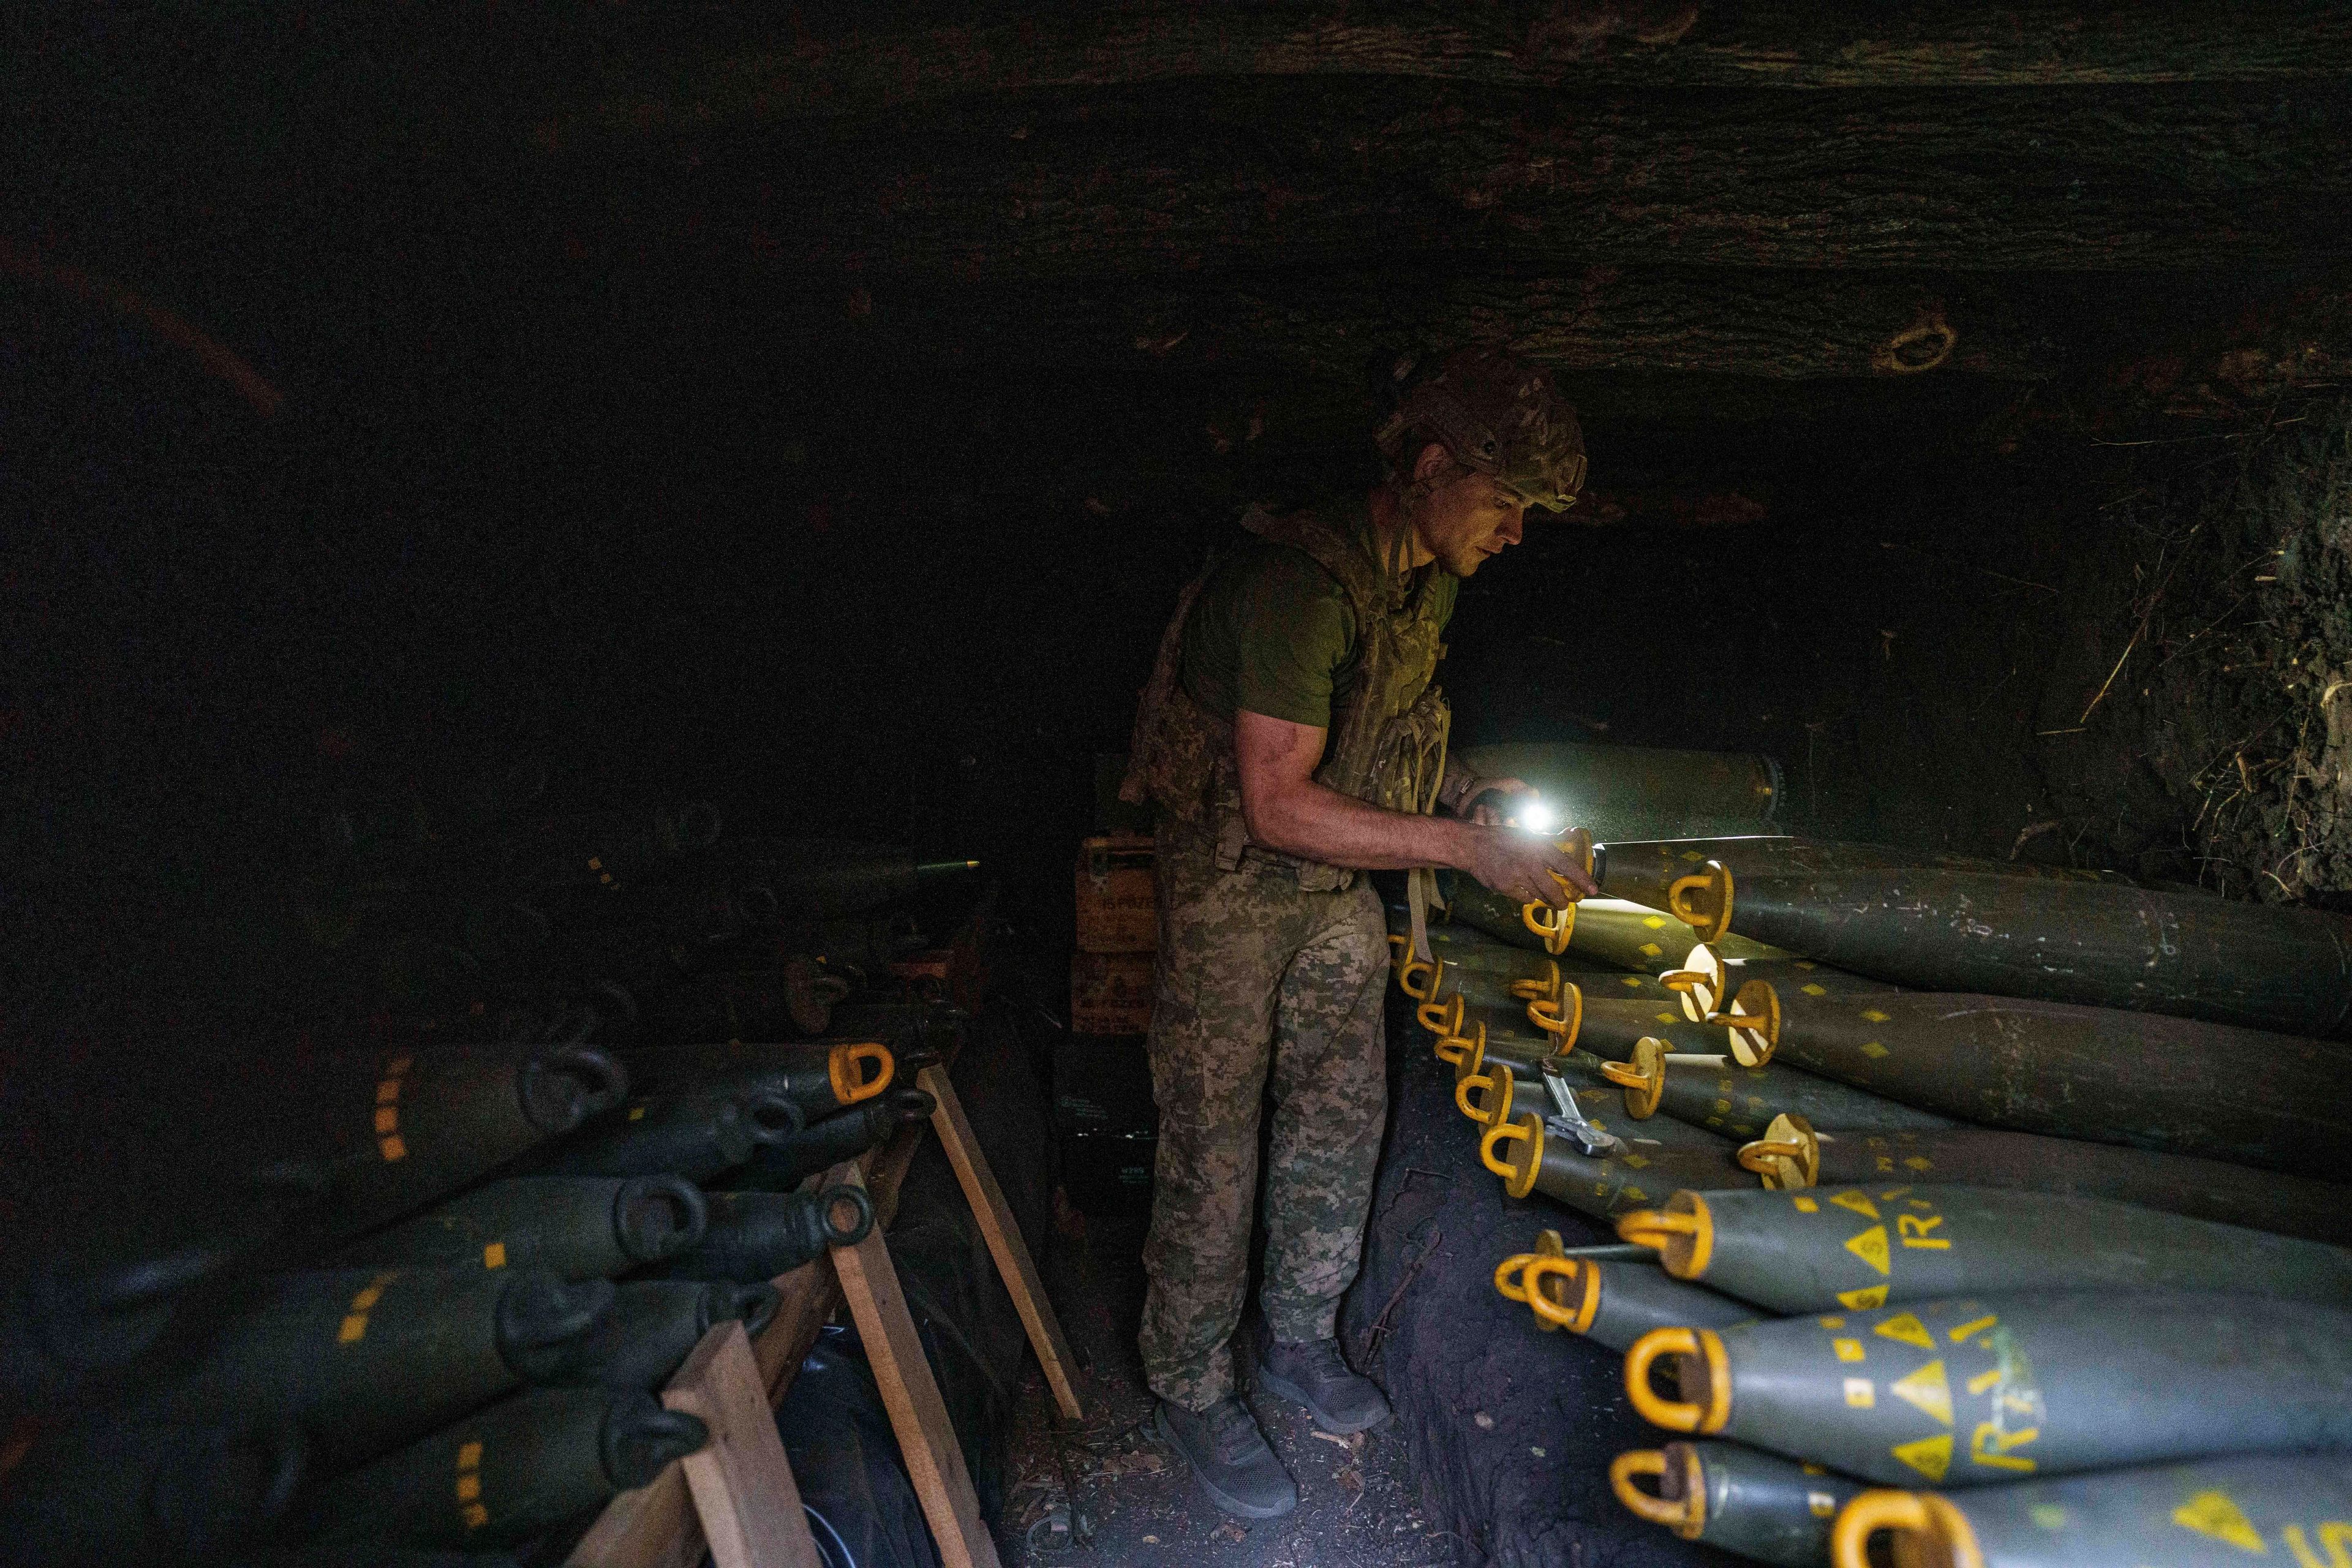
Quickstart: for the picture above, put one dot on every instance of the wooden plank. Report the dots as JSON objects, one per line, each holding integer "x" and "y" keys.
{"x": 652, "y": 1527}
{"x": 927, "y": 1439}
{"x": 1005, "y": 1241}
{"x": 743, "y": 1489}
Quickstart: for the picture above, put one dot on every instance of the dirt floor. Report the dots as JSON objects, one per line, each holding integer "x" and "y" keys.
{"x": 1105, "y": 1490}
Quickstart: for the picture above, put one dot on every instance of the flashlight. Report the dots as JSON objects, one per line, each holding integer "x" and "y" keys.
{"x": 1534, "y": 815}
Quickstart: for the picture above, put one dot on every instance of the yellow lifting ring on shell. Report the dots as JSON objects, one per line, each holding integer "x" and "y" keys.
{"x": 1486, "y": 1087}
{"x": 1453, "y": 1049}
{"x": 1435, "y": 970}
{"x": 1703, "y": 1345}
{"x": 1442, "y": 1018}
{"x": 1753, "y": 1021}
{"x": 1496, "y": 1085}
{"x": 1528, "y": 989}
{"x": 1547, "y": 1280}
{"x": 1524, "y": 1136}
{"x": 1554, "y": 926}
{"x": 1700, "y": 983}
{"x": 1949, "y": 1538}
{"x": 1685, "y": 1515}
{"x": 1682, "y": 1233}
{"x": 1468, "y": 1057}
{"x": 1703, "y": 900}
{"x": 1563, "y": 1019}
{"x": 1400, "y": 947}
{"x": 1788, "y": 1156}
{"x": 1643, "y": 1078}
{"x": 845, "y": 1066}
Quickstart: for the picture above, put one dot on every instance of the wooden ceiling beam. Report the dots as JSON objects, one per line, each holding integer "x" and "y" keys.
{"x": 794, "y": 69}
{"x": 1190, "y": 177}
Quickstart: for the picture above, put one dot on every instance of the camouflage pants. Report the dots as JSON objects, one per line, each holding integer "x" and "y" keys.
{"x": 1259, "y": 985}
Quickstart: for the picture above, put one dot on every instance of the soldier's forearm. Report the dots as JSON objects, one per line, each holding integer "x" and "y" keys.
{"x": 1306, "y": 819}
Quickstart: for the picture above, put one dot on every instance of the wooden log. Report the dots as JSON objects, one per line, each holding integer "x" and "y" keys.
{"x": 770, "y": 72}
{"x": 1190, "y": 177}
{"x": 1728, "y": 320}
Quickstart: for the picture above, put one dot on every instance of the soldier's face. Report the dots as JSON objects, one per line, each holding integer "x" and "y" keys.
{"x": 1468, "y": 520}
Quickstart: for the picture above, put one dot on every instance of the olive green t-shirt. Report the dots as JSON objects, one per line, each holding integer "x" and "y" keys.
{"x": 1274, "y": 633}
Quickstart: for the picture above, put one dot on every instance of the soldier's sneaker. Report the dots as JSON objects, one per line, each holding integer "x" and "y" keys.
{"x": 1230, "y": 1457}
{"x": 1312, "y": 1373}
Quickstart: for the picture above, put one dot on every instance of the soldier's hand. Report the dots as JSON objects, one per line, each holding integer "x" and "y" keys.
{"x": 1494, "y": 800}
{"x": 1526, "y": 869}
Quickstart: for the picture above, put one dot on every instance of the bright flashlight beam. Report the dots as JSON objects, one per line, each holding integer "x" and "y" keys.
{"x": 1537, "y": 815}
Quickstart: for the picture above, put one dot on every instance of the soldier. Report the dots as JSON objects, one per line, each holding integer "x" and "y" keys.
{"x": 1292, "y": 740}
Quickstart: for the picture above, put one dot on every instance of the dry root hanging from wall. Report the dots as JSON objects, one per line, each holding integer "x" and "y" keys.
{"x": 2233, "y": 661}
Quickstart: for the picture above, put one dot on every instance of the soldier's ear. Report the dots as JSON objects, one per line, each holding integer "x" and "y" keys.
{"x": 1432, "y": 463}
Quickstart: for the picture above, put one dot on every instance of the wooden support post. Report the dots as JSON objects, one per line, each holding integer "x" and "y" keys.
{"x": 743, "y": 1487}
{"x": 1004, "y": 1242}
{"x": 927, "y": 1439}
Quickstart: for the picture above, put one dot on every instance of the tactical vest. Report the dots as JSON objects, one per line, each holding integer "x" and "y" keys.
{"x": 1386, "y": 744}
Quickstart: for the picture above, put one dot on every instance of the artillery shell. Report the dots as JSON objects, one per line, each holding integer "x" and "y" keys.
{"x": 2095, "y": 1073}
{"x": 368, "y": 1358}
{"x": 757, "y": 1235}
{"x": 1825, "y": 1248}
{"x": 578, "y": 1228}
{"x": 1755, "y": 1504}
{"x": 2203, "y": 1189}
{"x": 2208, "y": 1513}
{"x": 134, "y": 1491}
{"x": 1973, "y": 1391}
{"x": 2262, "y": 966}
{"x": 784, "y": 1166}
{"x": 652, "y": 1326}
{"x": 508, "y": 1472}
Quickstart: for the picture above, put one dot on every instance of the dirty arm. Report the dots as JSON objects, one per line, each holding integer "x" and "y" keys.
{"x": 1287, "y": 811}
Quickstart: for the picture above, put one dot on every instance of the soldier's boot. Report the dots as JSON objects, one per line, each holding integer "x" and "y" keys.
{"x": 1312, "y": 1373}
{"x": 1230, "y": 1457}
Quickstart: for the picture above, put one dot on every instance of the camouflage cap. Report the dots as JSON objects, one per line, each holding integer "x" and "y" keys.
{"x": 1499, "y": 416}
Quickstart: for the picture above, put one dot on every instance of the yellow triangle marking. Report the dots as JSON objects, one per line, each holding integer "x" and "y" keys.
{"x": 1873, "y": 1050}
{"x": 1873, "y": 1015}
{"x": 1655, "y": 922}
{"x": 1649, "y": 950}
{"x": 1666, "y": 1018}
{"x": 1926, "y": 1390}
{"x": 1864, "y": 1300}
{"x": 1693, "y": 855}
{"x": 1918, "y": 1162}
{"x": 1931, "y": 1457}
{"x": 1634, "y": 980}
{"x": 1906, "y": 1328}
{"x": 1871, "y": 1248}
{"x": 1811, "y": 990}
{"x": 2213, "y": 1514}
{"x": 1806, "y": 1205}
{"x": 1859, "y": 1203}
